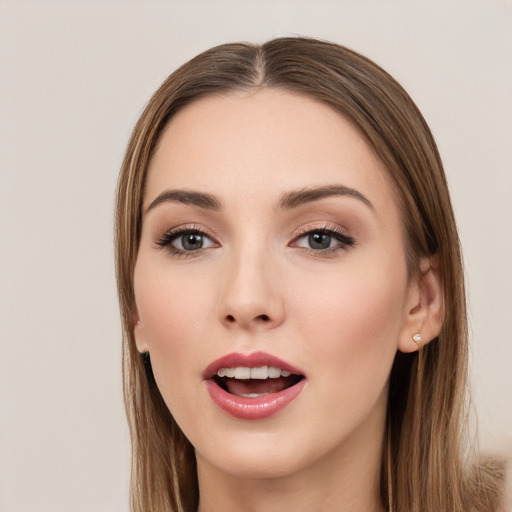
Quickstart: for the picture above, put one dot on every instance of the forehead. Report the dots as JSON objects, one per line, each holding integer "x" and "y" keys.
{"x": 261, "y": 143}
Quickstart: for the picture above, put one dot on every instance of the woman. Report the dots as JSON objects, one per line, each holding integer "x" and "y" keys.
{"x": 292, "y": 292}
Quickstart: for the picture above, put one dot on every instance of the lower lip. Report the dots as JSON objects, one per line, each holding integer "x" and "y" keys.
{"x": 257, "y": 408}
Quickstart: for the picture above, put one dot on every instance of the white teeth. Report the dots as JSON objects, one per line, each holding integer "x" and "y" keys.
{"x": 273, "y": 372}
{"x": 258, "y": 372}
{"x": 242, "y": 372}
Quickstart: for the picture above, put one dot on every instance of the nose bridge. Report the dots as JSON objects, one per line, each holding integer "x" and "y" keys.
{"x": 252, "y": 295}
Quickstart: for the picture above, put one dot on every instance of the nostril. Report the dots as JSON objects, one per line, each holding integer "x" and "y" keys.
{"x": 231, "y": 319}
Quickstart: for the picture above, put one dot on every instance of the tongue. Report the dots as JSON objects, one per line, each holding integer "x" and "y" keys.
{"x": 266, "y": 386}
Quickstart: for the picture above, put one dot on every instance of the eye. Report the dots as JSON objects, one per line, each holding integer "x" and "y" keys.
{"x": 319, "y": 240}
{"x": 324, "y": 240}
{"x": 182, "y": 241}
{"x": 191, "y": 242}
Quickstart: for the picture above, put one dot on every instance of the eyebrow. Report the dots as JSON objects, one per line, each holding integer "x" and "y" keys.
{"x": 297, "y": 198}
{"x": 188, "y": 197}
{"x": 289, "y": 200}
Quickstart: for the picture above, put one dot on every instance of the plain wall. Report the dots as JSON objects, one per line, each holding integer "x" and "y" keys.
{"x": 74, "y": 76}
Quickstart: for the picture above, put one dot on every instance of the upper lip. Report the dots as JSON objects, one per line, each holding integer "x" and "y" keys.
{"x": 252, "y": 360}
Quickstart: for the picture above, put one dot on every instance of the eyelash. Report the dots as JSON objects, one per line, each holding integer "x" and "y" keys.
{"x": 345, "y": 240}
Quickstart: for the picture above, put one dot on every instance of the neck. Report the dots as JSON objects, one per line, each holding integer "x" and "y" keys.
{"x": 347, "y": 479}
{"x": 335, "y": 493}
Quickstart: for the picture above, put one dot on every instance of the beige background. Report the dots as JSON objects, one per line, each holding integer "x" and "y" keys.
{"x": 73, "y": 78}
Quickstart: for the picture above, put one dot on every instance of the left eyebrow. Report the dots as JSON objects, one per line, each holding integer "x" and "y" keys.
{"x": 188, "y": 197}
{"x": 302, "y": 196}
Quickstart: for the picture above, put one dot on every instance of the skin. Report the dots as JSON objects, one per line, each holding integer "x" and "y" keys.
{"x": 338, "y": 314}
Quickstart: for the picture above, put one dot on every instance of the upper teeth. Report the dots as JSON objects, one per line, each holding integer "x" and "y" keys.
{"x": 260, "y": 372}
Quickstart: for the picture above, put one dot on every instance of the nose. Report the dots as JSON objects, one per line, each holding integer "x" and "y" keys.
{"x": 252, "y": 296}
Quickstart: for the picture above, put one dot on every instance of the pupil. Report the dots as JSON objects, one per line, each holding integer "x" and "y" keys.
{"x": 192, "y": 241}
{"x": 319, "y": 240}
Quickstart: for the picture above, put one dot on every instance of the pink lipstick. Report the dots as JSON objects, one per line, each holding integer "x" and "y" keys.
{"x": 252, "y": 386}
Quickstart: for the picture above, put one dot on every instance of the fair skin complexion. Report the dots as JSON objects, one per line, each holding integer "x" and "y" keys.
{"x": 318, "y": 280}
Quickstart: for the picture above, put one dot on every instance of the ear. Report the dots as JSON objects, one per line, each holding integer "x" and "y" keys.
{"x": 139, "y": 335}
{"x": 424, "y": 307}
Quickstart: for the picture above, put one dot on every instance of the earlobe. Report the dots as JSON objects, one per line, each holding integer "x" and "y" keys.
{"x": 140, "y": 336}
{"x": 423, "y": 316}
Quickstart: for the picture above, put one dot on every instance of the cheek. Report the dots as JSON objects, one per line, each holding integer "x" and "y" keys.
{"x": 354, "y": 319}
{"x": 350, "y": 334}
{"x": 172, "y": 306}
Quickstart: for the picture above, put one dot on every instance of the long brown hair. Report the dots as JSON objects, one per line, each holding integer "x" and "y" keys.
{"x": 424, "y": 465}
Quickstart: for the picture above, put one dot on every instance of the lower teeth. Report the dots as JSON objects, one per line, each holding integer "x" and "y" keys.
{"x": 253, "y": 395}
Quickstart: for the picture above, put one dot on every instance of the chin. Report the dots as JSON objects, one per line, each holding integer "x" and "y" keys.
{"x": 248, "y": 463}
{"x": 258, "y": 454}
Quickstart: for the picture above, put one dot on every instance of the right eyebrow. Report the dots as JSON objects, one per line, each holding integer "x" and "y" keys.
{"x": 188, "y": 197}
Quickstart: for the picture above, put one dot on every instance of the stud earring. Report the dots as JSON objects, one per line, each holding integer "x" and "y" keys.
{"x": 417, "y": 338}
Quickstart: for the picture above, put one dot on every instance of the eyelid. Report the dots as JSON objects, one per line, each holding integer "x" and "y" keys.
{"x": 321, "y": 226}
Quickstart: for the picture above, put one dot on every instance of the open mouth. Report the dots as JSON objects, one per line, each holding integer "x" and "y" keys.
{"x": 253, "y": 386}
{"x": 255, "y": 382}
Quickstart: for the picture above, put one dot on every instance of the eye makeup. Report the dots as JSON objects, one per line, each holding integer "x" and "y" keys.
{"x": 322, "y": 240}
{"x": 186, "y": 241}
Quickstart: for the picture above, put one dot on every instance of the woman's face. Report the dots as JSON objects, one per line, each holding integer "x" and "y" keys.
{"x": 271, "y": 238}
